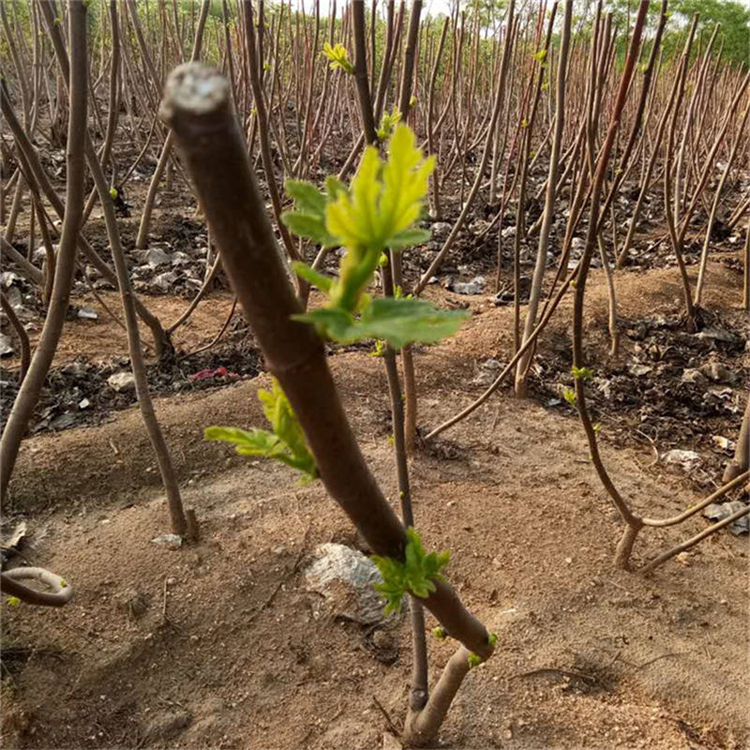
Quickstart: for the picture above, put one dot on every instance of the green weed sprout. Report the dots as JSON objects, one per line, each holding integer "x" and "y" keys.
{"x": 379, "y": 350}
{"x": 286, "y": 443}
{"x": 376, "y": 212}
{"x": 339, "y": 57}
{"x": 570, "y": 396}
{"x": 440, "y": 632}
{"x": 415, "y": 575}
{"x": 12, "y": 601}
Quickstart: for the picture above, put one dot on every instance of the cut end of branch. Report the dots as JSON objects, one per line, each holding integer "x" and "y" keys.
{"x": 193, "y": 90}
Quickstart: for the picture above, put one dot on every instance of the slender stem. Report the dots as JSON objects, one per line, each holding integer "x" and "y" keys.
{"x": 256, "y": 73}
{"x": 578, "y": 356}
{"x": 688, "y": 543}
{"x": 499, "y": 96}
{"x": 549, "y": 207}
{"x": 23, "y": 337}
{"x": 28, "y": 395}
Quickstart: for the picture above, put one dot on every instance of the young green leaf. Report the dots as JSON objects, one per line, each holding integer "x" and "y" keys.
{"x": 339, "y": 57}
{"x": 307, "y": 197}
{"x": 287, "y": 442}
{"x": 310, "y": 275}
{"x": 387, "y": 123}
{"x": 331, "y": 323}
{"x": 379, "y": 349}
{"x": 404, "y": 321}
{"x": 416, "y": 574}
{"x": 398, "y": 321}
{"x": 409, "y": 238}
{"x": 384, "y": 199}
{"x": 582, "y": 373}
{"x": 308, "y": 219}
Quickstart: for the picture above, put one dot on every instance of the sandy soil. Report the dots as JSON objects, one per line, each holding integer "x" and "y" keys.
{"x": 220, "y": 644}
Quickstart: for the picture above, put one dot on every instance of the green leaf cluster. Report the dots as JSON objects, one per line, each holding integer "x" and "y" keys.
{"x": 387, "y": 123}
{"x": 415, "y": 575}
{"x": 287, "y": 442}
{"x": 375, "y": 213}
{"x": 339, "y": 57}
{"x": 582, "y": 373}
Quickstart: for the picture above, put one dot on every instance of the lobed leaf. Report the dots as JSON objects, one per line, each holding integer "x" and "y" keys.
{"x": 308, "y": 220}
{"x": 287, "y": 442}
{"x": 404, "y": 321}
{"x": 399, "y": 321}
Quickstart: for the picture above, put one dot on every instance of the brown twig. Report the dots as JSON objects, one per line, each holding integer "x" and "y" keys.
{"x": 571, "y": 673}
{"x": 386, "y": 716}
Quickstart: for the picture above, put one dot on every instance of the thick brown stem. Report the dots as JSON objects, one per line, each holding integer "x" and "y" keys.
{"x": 422, "y": 727}
{"x": 625, "y": 546}
{"x": 138, "y": 364}
{"x": 578, "y": 357}
{"x": 672, "y": 217}
{"x": 360, "y": 71}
